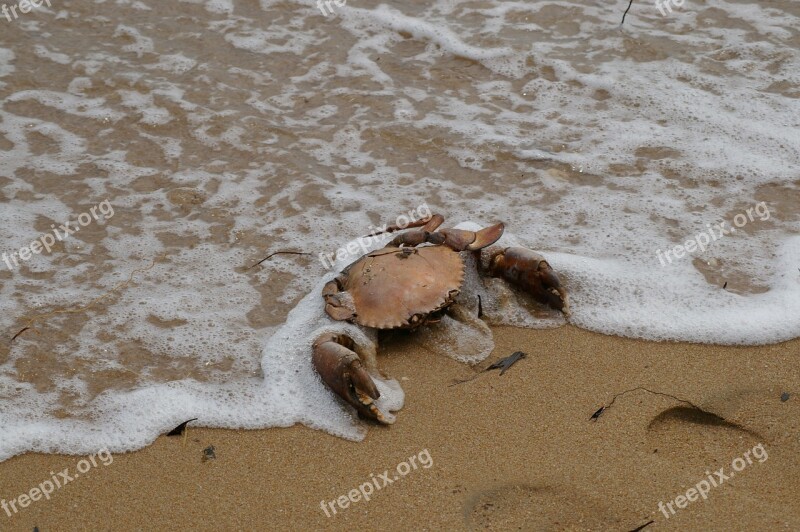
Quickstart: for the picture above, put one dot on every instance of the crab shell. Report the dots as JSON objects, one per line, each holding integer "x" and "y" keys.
{"x": 397, "y": 287}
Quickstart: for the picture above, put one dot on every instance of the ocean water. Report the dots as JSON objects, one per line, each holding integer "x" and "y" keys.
{"x": 208, "y": 134}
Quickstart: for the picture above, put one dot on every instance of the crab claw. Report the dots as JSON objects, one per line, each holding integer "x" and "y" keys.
{"x": 530, "y": 271}
{"x": 460, "y": 240}
{"x": 341, "y": 370}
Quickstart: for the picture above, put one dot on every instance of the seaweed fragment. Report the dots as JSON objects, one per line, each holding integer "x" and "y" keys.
{"x": 180, "y": 429}
{"x": 503, "y": 364}
{"x": 507, "y": 362}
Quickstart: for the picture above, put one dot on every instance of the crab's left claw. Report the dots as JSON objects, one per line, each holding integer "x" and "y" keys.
{"x": 341, "y": 370}
{"x": 530, "y": 271}
{"x": 461, "y": 240}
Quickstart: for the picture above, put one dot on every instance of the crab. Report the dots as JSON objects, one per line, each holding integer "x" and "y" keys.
{"x": 413, "y": 281}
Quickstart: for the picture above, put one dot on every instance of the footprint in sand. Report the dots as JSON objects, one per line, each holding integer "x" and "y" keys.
{"x": 528, "y": 507}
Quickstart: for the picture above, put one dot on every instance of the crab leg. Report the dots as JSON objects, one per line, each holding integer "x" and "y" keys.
{"x": 530, "y": 271}
{"x": 456, "y": 239}
{"x": 430, "y": 222}
{"x": 342, "y": 371}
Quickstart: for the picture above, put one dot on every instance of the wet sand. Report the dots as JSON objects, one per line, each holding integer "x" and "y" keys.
{"x": 516, "y": 451}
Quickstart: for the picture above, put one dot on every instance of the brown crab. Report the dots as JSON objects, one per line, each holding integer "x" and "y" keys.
{"x": 407, "y": 284}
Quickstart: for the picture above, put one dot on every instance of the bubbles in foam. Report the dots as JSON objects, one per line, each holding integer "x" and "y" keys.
{"x": 139, "y": 44}
{"x": 6, "y": 63}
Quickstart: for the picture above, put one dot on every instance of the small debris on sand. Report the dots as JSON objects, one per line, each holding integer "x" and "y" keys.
{"x": 208, "y": 453}
{"x": 597, "y": 414}
{"x": 637, "y": 529}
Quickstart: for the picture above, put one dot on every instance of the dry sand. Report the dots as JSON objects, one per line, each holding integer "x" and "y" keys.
{"x": 511, "y": 452}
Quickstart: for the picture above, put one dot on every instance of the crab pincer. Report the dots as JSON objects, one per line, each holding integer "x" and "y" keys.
{"x": 342, "y": 371}
{"x": 531, "y": 272}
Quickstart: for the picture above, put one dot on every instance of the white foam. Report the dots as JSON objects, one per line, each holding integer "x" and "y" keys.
{"x": 42, "y": 51}
{"x": 6, "y": 64}
{"x": 140, "y": 45}
{"x": 220, "y": 6}
{"x": 151, "y": 114}
{"x": 614, "y": 297}
{"x": 68, "y": 103}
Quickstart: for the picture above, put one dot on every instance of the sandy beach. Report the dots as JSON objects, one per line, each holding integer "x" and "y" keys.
{"x": 511, "y": 452}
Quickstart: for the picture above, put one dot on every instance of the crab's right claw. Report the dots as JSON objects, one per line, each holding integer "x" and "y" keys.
{"x": 341, "y": 370}
{"x": 529, "y": 270}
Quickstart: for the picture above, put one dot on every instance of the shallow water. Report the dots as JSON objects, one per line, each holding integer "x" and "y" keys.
{"x": 222, "y": 131}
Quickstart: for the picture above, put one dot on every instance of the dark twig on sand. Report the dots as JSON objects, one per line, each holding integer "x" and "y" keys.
{"x": 277, "y": 253}
{"x": 22, "y": 331}
{"x": 639, "y": 528}
{"x": 642, "y": 388}
{"x": 626, "y": 12}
